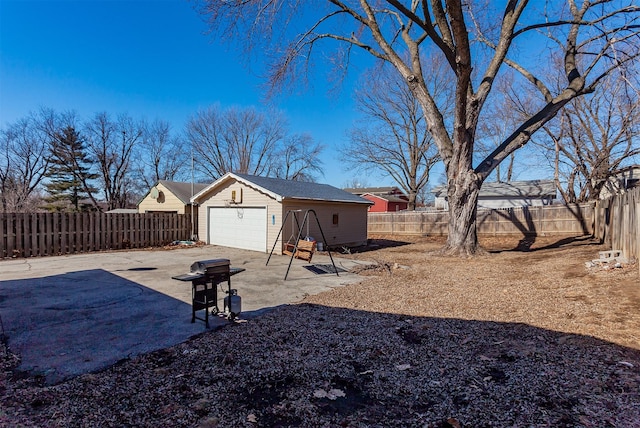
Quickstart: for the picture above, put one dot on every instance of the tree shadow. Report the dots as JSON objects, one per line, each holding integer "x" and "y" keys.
{"x": 526, "y": 225}
{"x": 374, "y": 245}
{"x": 82, "y": 321}
{"x": 568, "y": 241}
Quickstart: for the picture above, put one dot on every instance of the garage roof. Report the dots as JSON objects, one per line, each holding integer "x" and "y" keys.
{"x": 281, "y": 189}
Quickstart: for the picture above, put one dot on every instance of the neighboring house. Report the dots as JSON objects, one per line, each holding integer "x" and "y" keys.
{"x": 506, "y": 195}
{"x": 172, "y": 197}
{"x": 627, "y": 178}
{"x": 245, "y": 211}
{"x": 169, "y": 197}
{"x": 385, "y": 199}
{"x": 385, "y": 203}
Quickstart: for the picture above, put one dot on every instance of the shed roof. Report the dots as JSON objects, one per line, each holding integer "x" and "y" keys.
{"x": 281, "y": 189}
{"x": 182, "y": 190}
{"x": 529, "y": 189}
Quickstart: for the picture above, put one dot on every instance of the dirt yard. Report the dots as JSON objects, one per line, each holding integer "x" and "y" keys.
{"x": 525, "y": 335}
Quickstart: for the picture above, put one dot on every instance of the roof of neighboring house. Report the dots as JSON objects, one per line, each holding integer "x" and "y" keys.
{"x": 633, "y": 169}
{"x": 182, "y": 190}
{"x": 371, "y": 190}
{"x": 389, "y": 198}
{"x": 530, "y": 189}
{"x": 281, "y": 189}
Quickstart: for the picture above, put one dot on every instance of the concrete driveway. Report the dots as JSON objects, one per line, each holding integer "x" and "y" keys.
{"x": 69, "y": 315}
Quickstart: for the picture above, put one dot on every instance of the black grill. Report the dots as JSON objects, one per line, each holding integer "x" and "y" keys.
{"x": 205, "y": 275}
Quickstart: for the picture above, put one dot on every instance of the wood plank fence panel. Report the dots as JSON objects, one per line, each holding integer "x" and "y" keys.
{"x": 542, "y": 220}
{"x": 617, "y": 222}
{"x": 40, "y": 234}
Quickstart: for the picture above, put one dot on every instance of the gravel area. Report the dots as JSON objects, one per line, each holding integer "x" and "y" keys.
{"x": 524, "y": 336}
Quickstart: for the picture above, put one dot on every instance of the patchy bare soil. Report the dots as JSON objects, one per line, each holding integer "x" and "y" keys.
{"x": 525, "y": 335}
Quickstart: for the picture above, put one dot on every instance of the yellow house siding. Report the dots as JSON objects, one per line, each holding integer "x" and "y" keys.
{"x": 351, "y": 229}
{"x": 166, "y": 202}
{"x": 245, "y": 197}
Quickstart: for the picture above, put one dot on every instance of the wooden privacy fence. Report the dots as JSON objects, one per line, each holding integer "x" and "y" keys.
{"x": 542, "y": 220}
{"x": 617, "y": 223}
{"x": 46, "y": 234}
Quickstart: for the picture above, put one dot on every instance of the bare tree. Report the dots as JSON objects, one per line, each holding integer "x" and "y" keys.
{"x": 24, "y": 159}
{"x": 356, "y": 183}
{"x": 393, "y": 136}
{"x": 594, "y": 138}
{"x": 498, "y": 120}
{"x": 593, "y": 38}
{"x": 234, "y": 140}
{"x": 110, "y": 145}
{"x": 163, "y": 155}
{"x": 246, "y": 141}
{"x": 298, "y": 159}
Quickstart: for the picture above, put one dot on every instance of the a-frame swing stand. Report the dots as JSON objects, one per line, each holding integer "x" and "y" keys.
{"x": 301, "y": 249}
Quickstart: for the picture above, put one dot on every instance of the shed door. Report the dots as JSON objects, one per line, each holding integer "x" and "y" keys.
{"x": 244, "y": 228}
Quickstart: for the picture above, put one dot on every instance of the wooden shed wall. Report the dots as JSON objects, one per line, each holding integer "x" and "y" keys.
{"x": 351, "y": 229}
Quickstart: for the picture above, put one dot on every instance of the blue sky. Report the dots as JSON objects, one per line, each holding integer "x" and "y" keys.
{"x": 150, "y": 59}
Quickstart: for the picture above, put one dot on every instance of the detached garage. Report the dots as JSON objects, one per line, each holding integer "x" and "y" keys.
{"x": 245, "y": 211}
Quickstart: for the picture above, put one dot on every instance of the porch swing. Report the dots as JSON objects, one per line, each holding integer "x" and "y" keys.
{"x": 298, "y": 247}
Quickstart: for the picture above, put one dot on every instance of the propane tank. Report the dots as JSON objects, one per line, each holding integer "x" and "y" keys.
{"x": 233, "y": 302}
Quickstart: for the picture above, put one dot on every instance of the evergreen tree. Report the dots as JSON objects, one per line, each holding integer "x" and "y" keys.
{"x": 70, "y": 174}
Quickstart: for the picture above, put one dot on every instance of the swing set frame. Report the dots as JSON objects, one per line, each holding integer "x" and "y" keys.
{"x": 300, "y": 248}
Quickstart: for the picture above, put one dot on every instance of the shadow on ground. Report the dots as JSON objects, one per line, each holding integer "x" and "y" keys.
{"x": 83, "y": 321}
{"x": 324, "y": 366}
{"x": 372, "y": 245}
{"x": 528, "y": 243}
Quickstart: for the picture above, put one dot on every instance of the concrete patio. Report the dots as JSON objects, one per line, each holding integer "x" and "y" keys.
{"x": 68, "y": 315}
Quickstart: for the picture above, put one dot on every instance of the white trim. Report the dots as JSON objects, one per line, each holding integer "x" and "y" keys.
{"x": 231, "y": 175}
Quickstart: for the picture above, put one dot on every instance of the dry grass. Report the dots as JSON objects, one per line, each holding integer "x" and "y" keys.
{"x": 512, "y": 338}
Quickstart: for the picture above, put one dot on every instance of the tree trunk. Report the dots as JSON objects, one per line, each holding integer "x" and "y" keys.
{"x": 411, "y": 205}
{"x": 463, "y": 205}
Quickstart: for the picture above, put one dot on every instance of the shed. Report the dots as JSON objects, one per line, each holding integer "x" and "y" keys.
{"x": 246, "y": 211}
{"x": 494, "y": 195}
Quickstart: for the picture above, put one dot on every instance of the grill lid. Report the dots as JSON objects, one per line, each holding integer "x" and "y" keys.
{"x": 201, "y": 266}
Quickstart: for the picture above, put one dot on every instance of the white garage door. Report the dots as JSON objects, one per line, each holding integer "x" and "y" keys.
{"x": 244, "y": 228}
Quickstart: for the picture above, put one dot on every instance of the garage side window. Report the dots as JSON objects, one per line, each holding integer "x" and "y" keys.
{"x": 335, "y": 220}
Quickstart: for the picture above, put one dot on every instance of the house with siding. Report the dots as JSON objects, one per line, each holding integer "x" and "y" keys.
{"x": 494, "y": 195}
{"x": 246, "y": 211}
{"x": 169, "y": 197}
{"x": 626, "y": 179}
{"x": 172, "y": 197}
